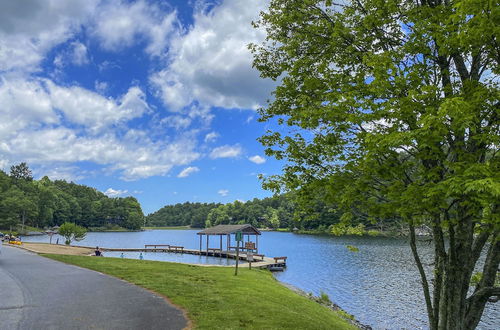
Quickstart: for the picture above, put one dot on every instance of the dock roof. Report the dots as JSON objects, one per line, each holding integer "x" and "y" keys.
{"x": 230, "y": 229}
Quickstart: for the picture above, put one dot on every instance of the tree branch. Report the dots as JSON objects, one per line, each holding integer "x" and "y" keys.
{"x": 425, "y": 283}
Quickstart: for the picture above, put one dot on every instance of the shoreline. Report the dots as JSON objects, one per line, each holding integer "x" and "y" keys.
{"x": 388, "y": 234}
{"x": 78, "y": 251}
{"x": 331, "y": 305}
{"x": 47, "y": 248}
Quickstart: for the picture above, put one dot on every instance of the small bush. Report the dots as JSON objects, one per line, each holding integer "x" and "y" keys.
{"x": 324, "y": 299}
{"x": 71, "y": 231}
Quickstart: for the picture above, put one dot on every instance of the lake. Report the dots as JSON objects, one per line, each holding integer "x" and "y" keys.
{"x": 379, "y": 285}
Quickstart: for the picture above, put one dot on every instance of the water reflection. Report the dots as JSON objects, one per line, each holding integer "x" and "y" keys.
{"x": 172, "y": 257}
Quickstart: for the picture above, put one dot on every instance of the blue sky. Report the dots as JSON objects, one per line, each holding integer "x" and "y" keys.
{"x": 154, "y": 99}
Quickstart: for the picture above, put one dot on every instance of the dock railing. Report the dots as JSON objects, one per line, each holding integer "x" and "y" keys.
{"x": 156, "y": 245}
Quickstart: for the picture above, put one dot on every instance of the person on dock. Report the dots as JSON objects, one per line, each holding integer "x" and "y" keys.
{"x": 98, "y": 252}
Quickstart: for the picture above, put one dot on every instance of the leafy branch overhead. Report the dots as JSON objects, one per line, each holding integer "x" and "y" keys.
{"x": 391, "y": 110}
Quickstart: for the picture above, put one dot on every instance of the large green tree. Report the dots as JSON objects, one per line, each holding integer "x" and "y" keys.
{"x": 393, "y": 109}
{"x": 21, "y": 172}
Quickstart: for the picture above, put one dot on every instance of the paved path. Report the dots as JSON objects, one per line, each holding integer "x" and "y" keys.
{"x": 39, "y": 293}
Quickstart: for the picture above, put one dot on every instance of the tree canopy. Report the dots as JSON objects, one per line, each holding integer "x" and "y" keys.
{"x": 277, "y": 211}
{"x": 42, "y": 203}
{"x": 392, "y": 109}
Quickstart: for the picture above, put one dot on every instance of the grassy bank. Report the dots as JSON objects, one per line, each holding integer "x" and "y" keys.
{"x": 168, "y": 228}
{"x": 111, "y": 229}
{"x": 216, "y": 299}
{"x": 18, "y": 230}
{"x": 327, "y": 231}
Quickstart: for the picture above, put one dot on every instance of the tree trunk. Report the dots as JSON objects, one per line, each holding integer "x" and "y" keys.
{"x": 24, "y": 219}
{"x": 450, "y": 307}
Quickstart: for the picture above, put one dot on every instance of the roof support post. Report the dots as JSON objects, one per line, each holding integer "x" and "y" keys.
{"x": 200, "y": 243}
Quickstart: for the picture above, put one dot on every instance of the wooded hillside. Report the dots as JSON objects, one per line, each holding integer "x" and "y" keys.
{"x": 42, "y": 203}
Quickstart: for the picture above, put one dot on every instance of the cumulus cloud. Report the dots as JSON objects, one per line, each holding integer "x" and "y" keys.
{"x": 226, "y": 151}
{"x": 30, "y": 28}
{"x": 223, "y": 192}
{"x": 211, "y": 63}
{"x": 134, "y": 157}
{"x": 35, "y": 101}
{"x": 44, "y": 123}
{"x": 188, "y": 171}
{"x": 257, "y": 159}
{"x": 110, "y": 192}
{"x": 58, "y": 123}
{"x": 120, "y": 24}
{"x": 94, "y": 111}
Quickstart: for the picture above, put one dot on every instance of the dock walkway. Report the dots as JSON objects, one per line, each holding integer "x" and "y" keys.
{"x": 259, "y": 261}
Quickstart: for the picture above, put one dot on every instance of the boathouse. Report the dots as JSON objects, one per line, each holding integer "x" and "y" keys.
{"x": 228, "y": 230}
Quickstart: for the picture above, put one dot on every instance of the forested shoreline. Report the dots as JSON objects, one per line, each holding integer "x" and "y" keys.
{"x": 45, "y": 203}
{"x": 277, "y": 212}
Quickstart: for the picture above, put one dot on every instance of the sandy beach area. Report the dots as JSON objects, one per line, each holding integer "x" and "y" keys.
{"x": 56, "y": 249}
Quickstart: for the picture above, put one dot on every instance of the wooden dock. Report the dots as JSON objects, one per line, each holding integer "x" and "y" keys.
{"x": 259, "y": 260}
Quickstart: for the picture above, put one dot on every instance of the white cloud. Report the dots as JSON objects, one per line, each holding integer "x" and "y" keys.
{"x": 211, "y": 137}
{"x": 226, "y": 152}
{"x": 94, "y": 111}
{"x": 188, "y": 171}
{"x": 223, "y": 192}
{"x": 24, "y": 104}
{"x": 121, "y": 24}
{"x": 52, "y": 124}
{"x": 34, "y": 102}
{"x": 100, "y": 86}
{"x": 110, "y": 192}
{"x": 211, "y": 63}
{"x": 79, "y": 54}
{"x": 32, "y": 130}
{"x": 257, "y": 159}
{"x": 134, "y": 157}
{"x": 178, "y": 122}
{"x": 30, "y": 28}
{"x": 57, "y": 172}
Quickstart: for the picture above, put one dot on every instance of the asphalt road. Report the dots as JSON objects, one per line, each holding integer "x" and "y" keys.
{"x": 39, "y": 293}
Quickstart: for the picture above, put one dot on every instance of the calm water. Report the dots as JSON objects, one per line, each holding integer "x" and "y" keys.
{"x": 379, "y": 284}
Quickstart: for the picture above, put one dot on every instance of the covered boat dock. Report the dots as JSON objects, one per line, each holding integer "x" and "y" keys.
{"x": 228, "y": 230}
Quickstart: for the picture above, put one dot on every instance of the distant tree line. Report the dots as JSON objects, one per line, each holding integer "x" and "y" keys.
{"x": 281, "y": 211}
{"x": 43, "y": 203}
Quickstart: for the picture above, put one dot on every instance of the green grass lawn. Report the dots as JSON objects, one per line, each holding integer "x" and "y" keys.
{"x": 216, "y": 299}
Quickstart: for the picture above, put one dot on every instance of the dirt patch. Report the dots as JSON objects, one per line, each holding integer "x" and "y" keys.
{"x": 56, "y": 249}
